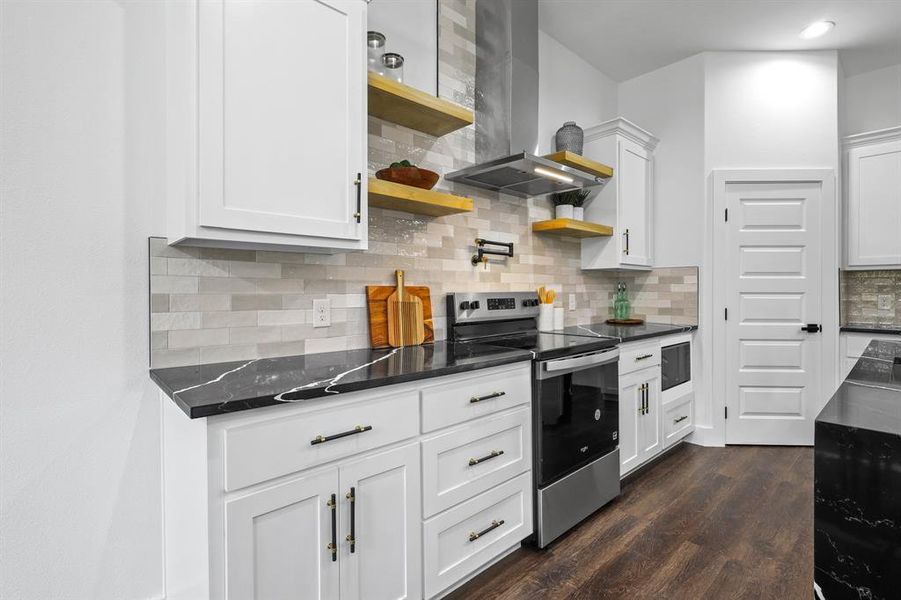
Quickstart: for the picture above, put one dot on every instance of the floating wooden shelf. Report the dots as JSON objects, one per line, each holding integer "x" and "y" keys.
{"x": 576, "y": 161}
{"x": 395, "y": 196}
{"x": 407, "y": 106}
{"x": 572, "y": 228}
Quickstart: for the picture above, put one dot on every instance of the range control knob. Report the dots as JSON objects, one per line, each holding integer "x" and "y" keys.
{"x": 464, "y": 305}
{"x": 474, "y": 305}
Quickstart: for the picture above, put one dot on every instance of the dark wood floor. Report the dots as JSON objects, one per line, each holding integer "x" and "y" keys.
{"x": 703, "y": 523}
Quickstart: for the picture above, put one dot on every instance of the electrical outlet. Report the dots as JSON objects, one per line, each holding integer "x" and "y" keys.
{"x": 884, "y": 301}
{"x": 322, "y": 313}
{"x": 572, "y": 302}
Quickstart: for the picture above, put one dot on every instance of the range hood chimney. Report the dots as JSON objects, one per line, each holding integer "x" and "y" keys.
{"x": 506, "y": 107}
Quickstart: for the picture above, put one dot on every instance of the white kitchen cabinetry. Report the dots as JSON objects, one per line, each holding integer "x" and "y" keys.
{"x": 626, "y": 202}
{"x": 650, "y": 419}
{"x": 873, "y": 199}
{"x": 271, "y": 503}
{"x": 266, "y": 132}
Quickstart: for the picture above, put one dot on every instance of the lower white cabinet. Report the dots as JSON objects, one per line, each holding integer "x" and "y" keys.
{"x": 270, "y": 504}
{"x": 852, "y": 345}
{"x": 640, "y": 435}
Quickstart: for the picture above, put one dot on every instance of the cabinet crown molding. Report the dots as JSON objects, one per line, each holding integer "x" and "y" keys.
{"x": 623, "y": 127}
{"x": 869, "y": 137}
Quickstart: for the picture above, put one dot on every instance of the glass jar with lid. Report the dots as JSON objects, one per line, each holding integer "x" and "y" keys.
{"x": 375, "y": 46}
{"x": 393, "y": 66}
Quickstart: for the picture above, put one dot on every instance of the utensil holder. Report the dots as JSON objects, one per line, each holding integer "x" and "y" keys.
{"x": 545, "y": 317}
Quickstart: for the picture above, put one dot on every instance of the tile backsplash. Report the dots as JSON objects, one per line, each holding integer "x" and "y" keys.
{"x": 860, "y": 292}
{"x": 212, "y": 305}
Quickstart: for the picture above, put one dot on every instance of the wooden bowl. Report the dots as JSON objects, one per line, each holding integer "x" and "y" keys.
{"x": 413, "y": 176}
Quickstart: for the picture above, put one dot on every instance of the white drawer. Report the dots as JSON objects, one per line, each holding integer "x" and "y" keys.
{"x": 450, "y": 551}
{"x": 465, "y": 461}
{"x": 633, "y": 358}
{"x": 678, "y": 419}
{"x": 472, "y": 396}
{"x": 267, "y": 449}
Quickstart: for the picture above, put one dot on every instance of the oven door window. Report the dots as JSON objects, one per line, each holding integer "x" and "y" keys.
{"x": 579, "y": 420}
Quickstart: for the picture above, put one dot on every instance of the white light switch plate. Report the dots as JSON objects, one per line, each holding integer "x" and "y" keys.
{"x": 884, "y": 301}
{"x": 322, "y": 312}
{"x": 572, "y": 302}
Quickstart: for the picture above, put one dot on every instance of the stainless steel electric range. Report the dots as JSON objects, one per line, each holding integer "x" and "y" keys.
{"x": 575, "y": 404}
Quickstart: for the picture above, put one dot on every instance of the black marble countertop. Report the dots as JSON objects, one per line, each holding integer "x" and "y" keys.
{"x": 870, "y": 397}
{"x": 626, "y": 333}
{"x": 213, "y": 389}
{"x": 871, "y": 328}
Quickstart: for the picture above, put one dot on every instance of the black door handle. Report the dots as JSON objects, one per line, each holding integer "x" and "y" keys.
{"x": 812, "y": 328}
{"x": 333, "y": 545}
{"x": 352, "y": 536}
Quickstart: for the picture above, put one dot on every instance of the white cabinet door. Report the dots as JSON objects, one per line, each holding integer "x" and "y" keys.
{"x": 277, "y": 541}
{"x": 282, "y": 116}
{"x": 634, "y": 181}
{"x": 874, "y": 205}
{"x": 652, "y": 421}
{"x": 385, "y": 521}
{"x": 630, "y": 405}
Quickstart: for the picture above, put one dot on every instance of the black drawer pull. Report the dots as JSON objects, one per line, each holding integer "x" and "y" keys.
{"x": 680, "y": 419}
{"x": 475, "y": 399}
{"x": 321, "y": 439}
{"x": 644, "y": 356}
{"x": 494, "y": 454}
{"x": 352, "y": 536}
{"x": 494, "y": 525}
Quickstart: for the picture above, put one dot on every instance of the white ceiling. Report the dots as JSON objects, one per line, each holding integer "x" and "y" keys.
{"x": 626, "y": 38}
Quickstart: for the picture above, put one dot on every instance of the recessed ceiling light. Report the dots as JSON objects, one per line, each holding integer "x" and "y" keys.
{"x": 816, "y": 29}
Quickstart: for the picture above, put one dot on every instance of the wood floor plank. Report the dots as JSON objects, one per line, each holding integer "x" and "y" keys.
{"x": 734, "y": 522}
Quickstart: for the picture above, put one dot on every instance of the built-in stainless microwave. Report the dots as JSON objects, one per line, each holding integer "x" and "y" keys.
{"x": 675, "y": 365}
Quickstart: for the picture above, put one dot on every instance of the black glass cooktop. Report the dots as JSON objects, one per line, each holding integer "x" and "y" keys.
{"x": 552, "y": 345}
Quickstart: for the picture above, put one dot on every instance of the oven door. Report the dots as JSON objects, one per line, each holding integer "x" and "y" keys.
{"x": 577, "y": 407}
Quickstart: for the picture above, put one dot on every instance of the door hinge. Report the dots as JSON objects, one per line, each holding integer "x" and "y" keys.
{"x": 726, "y": 314}
{"x": 727, "y": 412}
{"x": 727, "y": 215}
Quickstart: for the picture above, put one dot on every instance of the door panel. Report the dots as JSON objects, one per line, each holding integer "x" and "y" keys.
{"x": 629, "y": 421}
{"x": 276, "y": 541}
{"x": 773, "y": 278}
{"x": 633, "y": 174}
{"x": 651, "y": 421}
{"x": 277, "y": 153}
{"x": 385, "y": 563}
{"x": 874, "y": 210}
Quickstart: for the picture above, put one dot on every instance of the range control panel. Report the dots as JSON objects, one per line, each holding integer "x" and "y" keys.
{"x": 488, "y": 306}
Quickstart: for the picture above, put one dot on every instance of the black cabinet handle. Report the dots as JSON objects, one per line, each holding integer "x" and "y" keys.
{"x": 473, "y": 536}
{"x": 475, "y": 399}
{"x": 359, "y": 183}
{"x": 626, "y": 233}
{"x": 333, "y": 545}
{"x": 352, "y": 536}
{"x": 644, "y": 395}
{"x": 680, "y": 419}
{"x": 643, "y": 356}
{"x": 494, "y": 454}
{"x": 321, "y": 439}
{"x": 812, "y": 328}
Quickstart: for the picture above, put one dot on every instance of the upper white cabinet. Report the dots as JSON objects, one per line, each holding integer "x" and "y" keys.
{"x": 267, "y": 124}
{"x": 873, "y": 199}
{"x": 626, "y": 202}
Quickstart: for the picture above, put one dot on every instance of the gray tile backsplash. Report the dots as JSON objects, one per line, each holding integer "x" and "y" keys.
{"x": 860, "y": 291}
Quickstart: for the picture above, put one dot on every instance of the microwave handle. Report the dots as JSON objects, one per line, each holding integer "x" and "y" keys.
{"x": 585, "y": 360}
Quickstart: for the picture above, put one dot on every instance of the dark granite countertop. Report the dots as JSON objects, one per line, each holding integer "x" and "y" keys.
{"x": 870, "y": 397}
{"x": 213, "y": 389}
{"x": 626, "y": 333}
{"x": 871, "y": 328}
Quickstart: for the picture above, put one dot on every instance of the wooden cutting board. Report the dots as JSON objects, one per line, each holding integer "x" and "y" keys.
{"x": 377, "y": 301}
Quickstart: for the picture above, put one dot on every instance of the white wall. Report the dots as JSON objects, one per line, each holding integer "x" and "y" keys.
{"x": 872, "y": 100}
{"x": 669, "y": 102}
{"x": 79, "y": 419}
{"x": 411, "y": 30}
{"x": 570, "y": 89}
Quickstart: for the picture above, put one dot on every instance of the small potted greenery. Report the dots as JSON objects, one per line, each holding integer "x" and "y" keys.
{"x": 568, "y": 205}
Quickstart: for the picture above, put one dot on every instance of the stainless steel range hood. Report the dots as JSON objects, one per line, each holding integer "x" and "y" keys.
{"x": 506, "y": 107}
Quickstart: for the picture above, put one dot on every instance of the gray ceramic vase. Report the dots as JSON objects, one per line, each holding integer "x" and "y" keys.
{"x": 570, "y": 137}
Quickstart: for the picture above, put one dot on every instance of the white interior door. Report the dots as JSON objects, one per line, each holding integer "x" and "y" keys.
{"x": 772, "y": 243}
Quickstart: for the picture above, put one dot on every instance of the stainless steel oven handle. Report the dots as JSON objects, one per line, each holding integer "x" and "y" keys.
{"x": 596, "y": 358}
